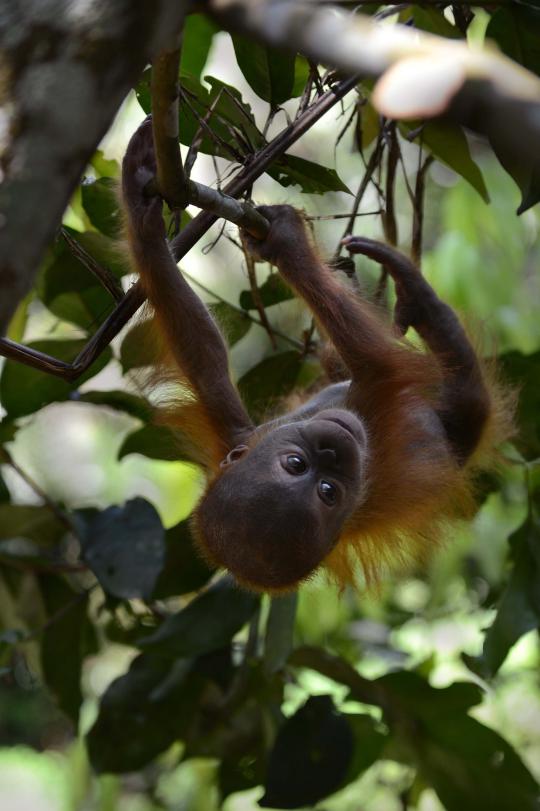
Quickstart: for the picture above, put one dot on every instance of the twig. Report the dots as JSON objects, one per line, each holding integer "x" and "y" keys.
{"x": 418, "y": 211}
{"x": 59, "y": 514}
{"x": 171, "y": 178}
{"x": 256, "y": 295}
{"x": 107, "y": 279}
{"x": 389, "y": 213}
{"x": 370, "y": 168}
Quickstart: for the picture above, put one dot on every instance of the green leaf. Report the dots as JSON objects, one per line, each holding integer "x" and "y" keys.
{"x": 184, "y": 569}
{"x": 8, "y": 429}
{"x": 231, "y": 120}
{"x": 272, "y": 378}
{"x": 141, "y": 346}
{"x": 100, "y": 201}
{"x": 24, "y": 390}
{"x": 273, "y": 291}
{"x": 523, "y": 372}
{"x": 104, "y": 167}
{"x": 119, "y": 401}
{"x": 66, "y": 640}
{"x": 268, "y": 71}
{"x": 142, "y": 713}
{"x": 311, "y": 756}
{"x": 447, "y": 143}
{"x": 519, "y": 608}
{"x": 232, "y": 323}
{"x": 209, "y": 622}
{"x": 125, "y": 548}
{"x": 71, "y": 292}
{"x": 516, "y": 30}
{"x": 468, "y": 765}
{"x": 197, "y": 38}
{"x": 37, "y": 524}
{"x": 434, "y": 21}
{"x": 289, "y": 170}
{"x": 154, "y": 442}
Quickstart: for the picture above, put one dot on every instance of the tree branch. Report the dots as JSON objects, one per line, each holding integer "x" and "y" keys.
{"x": 188, "y": 237}
{"x": 171, "y": 179}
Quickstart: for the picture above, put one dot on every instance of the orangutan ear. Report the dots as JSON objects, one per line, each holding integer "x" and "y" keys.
{"x": 234, "y": 455}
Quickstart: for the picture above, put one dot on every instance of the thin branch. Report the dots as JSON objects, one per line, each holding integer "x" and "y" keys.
{"x": 418, "y": 211}
{"x": 389, "y": 213}
{"x": 103, "y": 274}
{"x": 171, "y": 178}
{"x": 256, "y": 295}
{"x": 223, "y": 205}
{"x": 368, "y": 174}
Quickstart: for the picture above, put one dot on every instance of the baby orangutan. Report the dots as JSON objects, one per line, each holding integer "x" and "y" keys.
{"x": 368, "y": 469}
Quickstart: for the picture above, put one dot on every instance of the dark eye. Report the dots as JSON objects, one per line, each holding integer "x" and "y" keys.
{"x": 295, "y": 464}
{"x": 327, "y": 492}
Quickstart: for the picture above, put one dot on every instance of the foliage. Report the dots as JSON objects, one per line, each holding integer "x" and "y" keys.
{"x": 214, "y": 674}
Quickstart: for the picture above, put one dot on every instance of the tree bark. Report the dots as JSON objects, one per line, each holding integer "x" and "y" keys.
{"x": 65, "y": 68}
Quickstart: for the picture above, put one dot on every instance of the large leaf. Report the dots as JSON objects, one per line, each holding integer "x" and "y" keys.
{"x": 24, "y": 390}
{"x": 66, "y": 640}
{"x": 233, "y": 324}
{"x": 269, "y": 72}
{"x": 447, "y": 142}
{"x": 271, "y": 379}
{"x": 125, "y": 548}
{"x": 311, "y": 756}
{"x": 142, "y": 713}
{"x": 209, "y": 622}
{"x": 197, "y": 37}
{"x": 516, "y": 30}
{"x": 100, "y": 201}
{"x": 119, "y": 401}
{"x": 273, "y": 291}
{"x": 184, "y": 569}
{"x": 154, "y": 442}
{"x": 71, "y": 292}
{"x": 231, "y": 119}
{"x": 289, "y": 170}
{"x": 519, "y": 608}
{"x": 141, "y": 346}
{"x": 523, "y": 372}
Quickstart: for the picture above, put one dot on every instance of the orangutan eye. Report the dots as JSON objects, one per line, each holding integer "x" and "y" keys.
{"x": 327, "y": 492}
{"x": 295, "y": 464}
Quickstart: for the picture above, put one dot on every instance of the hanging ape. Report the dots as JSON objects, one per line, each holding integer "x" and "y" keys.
{"x": 368, "y": 469}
